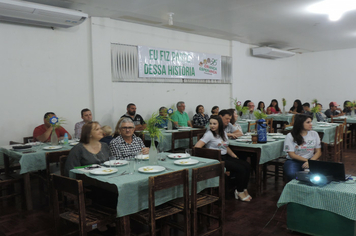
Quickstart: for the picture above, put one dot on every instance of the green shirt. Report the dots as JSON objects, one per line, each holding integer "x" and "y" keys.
{"x": 182, "y": 119}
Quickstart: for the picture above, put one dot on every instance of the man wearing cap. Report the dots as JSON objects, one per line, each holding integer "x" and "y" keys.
{"x": 334, "y": 110}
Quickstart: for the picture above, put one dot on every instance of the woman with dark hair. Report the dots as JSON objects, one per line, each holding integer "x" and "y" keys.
{"x": 89, "y": 150}
{"x": 244, "y": 105}
{"x": 273, "y": 108}
{"x": 216, "y": 138}
{"x": 347, "y": 109}
{"x": 200, "y": 119}
{"x": 301, "y": 145}
{"x": 215, "y": 111}
{"x": 261, "y": 106}
{"x": 297, "y": 107}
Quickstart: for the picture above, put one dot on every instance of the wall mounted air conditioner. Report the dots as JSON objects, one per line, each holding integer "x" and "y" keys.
{"x": 38, "y": 14}
{"x": 271, "y": 53}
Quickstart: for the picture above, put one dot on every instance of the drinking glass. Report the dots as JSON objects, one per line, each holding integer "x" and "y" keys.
{"x": 188, "y": 152}
{"x": 132, "y": 164}
{"x": 138, "y": 157}
{"x": 160, "y": 149}
{"x": 112, "y": 160}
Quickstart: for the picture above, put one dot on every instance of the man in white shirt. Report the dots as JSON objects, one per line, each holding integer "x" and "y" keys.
{"x": 249, "y": 115}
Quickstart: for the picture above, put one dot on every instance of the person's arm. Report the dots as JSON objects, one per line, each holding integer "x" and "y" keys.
{"x": 42, "y": 137}
{"x": 175, "y": 120}
{"x": 231, "y": 153}
{"x": 269, "y": 111}
{"x": 237, "y": 133}
{"x": 199, "y": 144}
{"x": 190, "y": 124}
{"x": 114, "y": 149}
{"x": 62, "y": 132}
{"x": 73, "y": 160}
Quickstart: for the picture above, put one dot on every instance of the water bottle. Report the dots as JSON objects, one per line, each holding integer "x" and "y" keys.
{"x": 65, "y": 140}
{"x": 261, "y": 131}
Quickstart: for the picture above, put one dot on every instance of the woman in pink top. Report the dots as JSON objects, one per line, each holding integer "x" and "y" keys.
{"x": 273, "y": 107}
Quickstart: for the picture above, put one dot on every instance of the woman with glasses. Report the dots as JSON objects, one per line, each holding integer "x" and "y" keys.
{"x": 89, "y": 150}
{"x": 127, "y": 143}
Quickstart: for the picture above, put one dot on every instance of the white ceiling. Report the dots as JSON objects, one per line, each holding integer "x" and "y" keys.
{"x": 283, "y": 24}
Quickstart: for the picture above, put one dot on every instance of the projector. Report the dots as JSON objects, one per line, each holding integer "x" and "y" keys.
{"x": 315, "y": 179}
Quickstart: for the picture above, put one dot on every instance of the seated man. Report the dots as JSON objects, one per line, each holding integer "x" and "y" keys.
{"x": 249, "y": 115}
{"x": 232, "y": 131}
{"x": 334, "y": 110}
{"x": 163, "y": 115}
{"x": 127, "y": 144}
{"x": 306, "y": 109}
{"x": 319, "y": 115}
{"x": 43, "y": 132}
{"x": 86, "y": 116}
{"x": 180, "y": 117}
{"x": 136, "y": 118}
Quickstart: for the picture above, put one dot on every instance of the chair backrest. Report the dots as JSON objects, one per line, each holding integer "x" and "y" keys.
{"x": 181, "y": 135}
{"x": 207, "y": 153}
{"x": 62, "y": 163}
{"x": 166, "y": 181}
{"x": 25, "y": 139}
{"x": 338, "y": 120}
{"x": 269, "y": 122}
{"x": 204, "y": 173}
{"x": 199, "y": 136}
{"x": 14, "y": 142}
{"x": 249, "y": 126}
{"x": 53, "y": 157}
{"x": 195, "y": 133}
{"x": 67, "y": 185}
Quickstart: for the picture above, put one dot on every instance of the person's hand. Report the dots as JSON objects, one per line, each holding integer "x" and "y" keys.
{"x": 305, "y": 165}
{"x": 231, "y": 135}
{"x": 145, "y": 150}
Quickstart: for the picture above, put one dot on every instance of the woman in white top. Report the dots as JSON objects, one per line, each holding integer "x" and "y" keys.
{"x": 216, "y": 138}
{"x": 301, "y": 145}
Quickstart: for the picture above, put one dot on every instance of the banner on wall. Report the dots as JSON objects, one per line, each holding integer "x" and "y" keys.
{"x": 166, "y": 63}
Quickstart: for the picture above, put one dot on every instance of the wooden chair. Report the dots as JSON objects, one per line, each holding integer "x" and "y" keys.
{"x": 347, "y": 134}
{"x": 9, "y": 165}
{"x": 54, "y": 157}
{"x": 333, "y": 151}
{"x": 195, "y": 133}
{"x": 269, "y": 123}
{"x": 8, "y": 189}
{"x": 164, "y": 211}
{"x": 200, "y": 200}
{"x": 181, "y": 135}
{"x": 199, "y": 136}
{"x": 249, "y": 126}
{"x": 87, "y": 218}
{"x": 25, "y": 139}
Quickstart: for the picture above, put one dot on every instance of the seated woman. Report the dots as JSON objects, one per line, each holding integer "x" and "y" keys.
{"x": 107, "y": 132}
{"x": 347, "y": 108}
{"x": 215, "y": 111}
{"x": 261, "y": 107}
{"x": 216, "y": 138}
{"x": 297, "y": 107}
{"x": 127, "y": 144}
{"x": 301, "y": 145}
{"x": 273, "y": 107}
{"x": 163, "y": 115}
{"x": 200, "y": 119}
{"x": 234, "y": 117}
{"x": 89, "y": 150}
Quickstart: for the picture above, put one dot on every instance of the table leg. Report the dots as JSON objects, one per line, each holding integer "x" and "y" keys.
{"x": 124, "y": 226}
{"x": 28, "y": 195}
{"x": 6, "y": 164}
{"x": 259, "y": 168}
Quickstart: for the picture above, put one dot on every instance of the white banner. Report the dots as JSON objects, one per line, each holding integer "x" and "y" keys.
{"x": 165, "y": 63}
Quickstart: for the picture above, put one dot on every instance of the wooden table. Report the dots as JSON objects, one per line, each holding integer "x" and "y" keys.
{"x": 133, "y": 189}
{"x": 264, "y": 153}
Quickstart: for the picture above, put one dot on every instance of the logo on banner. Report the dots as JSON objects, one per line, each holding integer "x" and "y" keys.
{"x": 208, "y": 66}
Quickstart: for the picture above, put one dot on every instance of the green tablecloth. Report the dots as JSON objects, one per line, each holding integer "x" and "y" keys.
{"x": 280, "y": 117}
{"x": 31, "y": 161}
{"x": 269, "y": 150}
{"x": 329, "y": 132}
{"x": 349, "y": 119}
{"x": 339, "y": 198}
{"x": 166, "y": 140}
{"x": 133, "y": 189}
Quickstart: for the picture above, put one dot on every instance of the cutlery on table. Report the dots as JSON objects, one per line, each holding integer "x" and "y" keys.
{"x": 123, "y": 173}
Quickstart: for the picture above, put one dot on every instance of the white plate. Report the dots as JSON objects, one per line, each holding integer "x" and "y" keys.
{"x": 184, "y": 128}
{"x": 143, "y": 157}
{"x": 280, "y": 137}
{"x": 270, "y": 140}
{"x": 73, "y": 143}
{"x": 178, "y": 156}
{"x": 103, "y": 171}
{"x": 186, "y": 162}
{"x": 245, "y": 137}
{"x": 320, "y": 122}
{"x": 324, "y": 125}
{"x": 33, "y": 143}
{"x": 248, "y": 133}
{"x": 274, "y": 134}
{"x": 171, "y": 131}
{"x": 151, "y": 169}
{"x": 116, "y": 163}
{"x": 52, "y": 147}
{"x": 243, "y": 140}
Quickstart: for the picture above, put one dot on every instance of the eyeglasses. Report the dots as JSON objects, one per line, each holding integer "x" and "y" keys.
{"x": 127, "y": 128}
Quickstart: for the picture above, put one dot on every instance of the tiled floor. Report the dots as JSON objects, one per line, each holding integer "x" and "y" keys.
{"x": 258, "y": 217}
